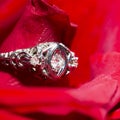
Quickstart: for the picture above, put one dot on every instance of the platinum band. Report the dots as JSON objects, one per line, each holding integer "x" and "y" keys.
{"x": 53, "y": 60}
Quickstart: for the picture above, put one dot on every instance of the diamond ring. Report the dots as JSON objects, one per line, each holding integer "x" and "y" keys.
{"x": 52, "y": 60}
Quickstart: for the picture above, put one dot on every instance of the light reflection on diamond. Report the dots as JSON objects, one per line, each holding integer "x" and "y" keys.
{"x": 34, "y": 60}
{"x": 57, "y": 62}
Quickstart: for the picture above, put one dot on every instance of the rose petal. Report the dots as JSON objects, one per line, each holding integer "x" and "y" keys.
{"x": 115, "y": 115}
{"x": 5, "y": 115}
{"x": 40, "y": 26}
{"x": 10, "y": 11}
{"x": 108, "y": 64}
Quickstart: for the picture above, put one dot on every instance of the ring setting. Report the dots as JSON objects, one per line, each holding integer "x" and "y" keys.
{"x": 52, "y": 60}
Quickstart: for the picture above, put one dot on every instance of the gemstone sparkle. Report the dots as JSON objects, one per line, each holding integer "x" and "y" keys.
{"x": 57, "y": 62}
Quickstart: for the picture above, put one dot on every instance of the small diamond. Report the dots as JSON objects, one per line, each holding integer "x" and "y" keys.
{"x": 34, "y": 61}
{"x": 73, "y": 62}
{"x": 57, "y": 62}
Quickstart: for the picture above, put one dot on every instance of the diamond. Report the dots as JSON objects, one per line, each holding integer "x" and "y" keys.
{"x": 34, "y": 61}
{"x": 57, "y": 62}
{"x": 73, "y": 61}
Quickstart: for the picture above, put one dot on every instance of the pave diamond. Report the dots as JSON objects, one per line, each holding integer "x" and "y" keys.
{"x": 57, "y": 62}
{"x": 34, "y": 61}
{"x": 73, "y": 62}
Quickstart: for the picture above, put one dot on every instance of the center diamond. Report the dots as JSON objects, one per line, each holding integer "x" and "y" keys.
{"x": 57, "y": 62}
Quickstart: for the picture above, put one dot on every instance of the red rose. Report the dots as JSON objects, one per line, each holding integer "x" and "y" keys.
{"x": 92, "y": 91}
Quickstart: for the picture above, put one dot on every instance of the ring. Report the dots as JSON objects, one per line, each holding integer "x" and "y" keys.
{"x": 52, "y": 60}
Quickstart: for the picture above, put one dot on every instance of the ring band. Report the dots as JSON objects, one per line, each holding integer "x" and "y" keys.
{"x": 53, "y": 60}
